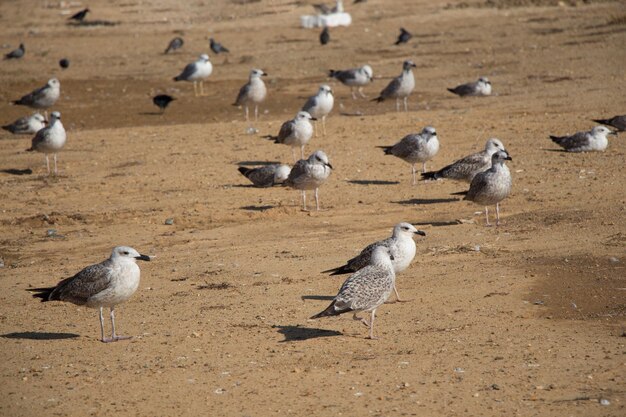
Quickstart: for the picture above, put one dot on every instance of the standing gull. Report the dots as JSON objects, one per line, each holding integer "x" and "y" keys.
{"x": 465, "y": 169}
{"x": 482, "y": 87}
{"x": 217, "y": 47}
{"x": 196, "y": 71}
{"x": 16, "y": 53}
{"x": 354, "y": 78}
{"x": 27, "y": 125}
{"x": 492, "y": 186}
{"x": 106, "y": 284}
{"x": 403, "y": 37}
{"x": 416, "y": 147}
{"x": 365, "y": 290}
{"x": 266, "y": 176}
{"x": 593, "y": 140}
{"x": 50, "y": 140}
{"x": 43, "y": 97}
{"x": 401, "y": 248}
{"x": 309, "y": 174}
{"x": 254, "y": 91}
{"x": 618, "y": 122}
{"x": 174, "y": 44}
{"x": 296, "y": 133}
{"x": 400, "y": 87}
{"x": 320, "y": 105}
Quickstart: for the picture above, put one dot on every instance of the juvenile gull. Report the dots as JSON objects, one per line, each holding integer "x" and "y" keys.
{"x": 320, "y": 105}
{"x": 492, "y": 186}
{"x": 309, "y": 174}
{"x": 403, "y": 37}
{"x": 400, "y": 87}
{"x": 106, "y": 284}
{"x": 466, "y": 168}
{"x": 174, "y": 44}
{"x": 618, "y": 122}
{"x": 217, "y": 47}
{"x": 27, "y": 125}
{"x": 50, "y": 140}
{"x": 162, "y": 101}
{"x": 324, "y": 36}
{"x": 16, "y": 53}
{"x": 354, "y": 78}
{"x": 401, "y": 248}
{"x": 593, "y": 140}
{"x": 43, "y": 97}
{"x": 365, "y": 290}
{"x": 482, "y": 87}
{"x": 80, "y": 16}
{"x": 254, "y": 91}
{"x": 416, "y": 147}
{"x": 296, "y": 133}
{"x": 266, "y": 176}
{"x": 196, "y": 71}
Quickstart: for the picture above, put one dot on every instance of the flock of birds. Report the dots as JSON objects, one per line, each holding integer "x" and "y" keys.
{"x": 373, "y": 271}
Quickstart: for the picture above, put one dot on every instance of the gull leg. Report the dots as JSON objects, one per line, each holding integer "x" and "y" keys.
{"x": 423, "y": 167}
{"x": 293, "y": 152}
{"x": 47, "y": 164}
{"x": 497, "y": 214}
{"x": 201, "y": 87}
{"x": 315, "y": 128}
{"x": 414, "y": 176}
{"x": 406, "y": 105}
{"x": 352, "y": 92}
{"x": 487, "y": 216}
{"x": 362, "y": 320}
{"x": 55, "y": 164}
{"x": 256, "y": 112}
{"x": 246, "y": 111}
{"x": 317, "y": 200}
{"x": 324, "y": 125}
{"x": 195, "y": 89}
{"x": 397, "y": 104}
{"x": 301, "y": 152}
{"x": 360, "y": 90}
{"x": 115, "y": 337}
{"x": 372, "y": 325}
{"x": 102, "y": 339}
{"x": 303, "y": 200}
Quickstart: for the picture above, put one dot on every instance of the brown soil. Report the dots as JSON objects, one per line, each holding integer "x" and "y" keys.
{"x": 524, "y": 319}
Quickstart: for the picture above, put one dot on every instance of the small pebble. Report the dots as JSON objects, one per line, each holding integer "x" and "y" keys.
{"x": 169, "y": 221}
{"x": 495, "y": 387}
{"x": 604, "y": 401}
{"x": 252, "y": 131}
{"x": 51, "y": 232}
{"x": 613, "y": 260}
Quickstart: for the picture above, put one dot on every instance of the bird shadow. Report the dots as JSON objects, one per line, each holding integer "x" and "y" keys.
{"x": 296, "y": 333}
{"x": 151, "y": 113}
{"x": 373, "y": 182}
{"x": 317, "y": 297}
{"x": 437, "y": 224}
{"x": 15, "y": 171}
{"x": 39, "y": 335}
{"x": 244, "y": 163}
{"x": 426, "y": 201}
{"x": 555, "y": 150}
{"x": 257, "y": 208}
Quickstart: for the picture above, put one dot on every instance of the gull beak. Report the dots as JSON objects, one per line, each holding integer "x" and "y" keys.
{"x": 143, "y": 258}
{"x": 508, "y": 157}
{"x": 264, "y": 74}
{"x": 612, "y": 133}
{"x": 414, "y": 66}
{"x": 313, "y": 118}
{"x": 329, "y": 166}
{"x": 419, "y": 232}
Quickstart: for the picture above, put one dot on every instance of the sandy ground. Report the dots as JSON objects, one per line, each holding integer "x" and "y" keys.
{"x": 525, "y": 319}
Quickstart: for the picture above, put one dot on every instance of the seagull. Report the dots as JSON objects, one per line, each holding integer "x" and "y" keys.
{"x": 400, "y": 87}
{"x": 365, "y": 290}
{"x": 16, "y": 53}
{"x": 106, "y": 284}
{"x": 355, "y": 77}
{"x": 254, "y": 91}
{"x": 217, "y": 47}
{"x": 309, "y": 174}
{"x": 50, "y": 140}
{"x": 80, "y": 16}
{"x": 27, "y": 125}
{"x": 491, "y": 186}
{"x": 174, "y": 44}
{"x": 403, "y": 37}
{"x": 593, "y": 140}
{"x": 325, "y": 36}
{"x": 320, "y": 105}
{"x": 618, "y": 122}
{"x": 296, "y": 132}
{"x": 43, "y": 97}
{"x": 266, "y": 176}
{"x": 466, "y": 168}
{"x": 326, "y": 9}
{"x": 482, "y": 87}
{"x": 416, "y": 147}
{"x": 401, "y": 248}
{"x": 162, "y": 101}
{"x": 196, "y": 71}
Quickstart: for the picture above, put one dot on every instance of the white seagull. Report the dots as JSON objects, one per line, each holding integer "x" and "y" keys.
{"x": 400, "y": 87}
{"x": 50, "y": 140}
{"x": 296, "y": 133}
{"x": 196, "y": 72}
{"x": 320, "y": 105}
{"x": 482, "y": 87}
{"x": 416, "y": 147}
{"x": 253, "y": 92}
{"x": 354, "y": 78}
{"x": 593, "y": 140}
{"x": 43, "y": 97}
{"x": 266, "y": 176}
{"x": 310, "y": 174}
{"x": 27, "y": 125}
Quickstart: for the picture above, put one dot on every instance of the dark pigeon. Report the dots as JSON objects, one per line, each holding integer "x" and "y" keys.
{"x": 64, "y": 63}
{"x": 175, "y": 44}
{"x": 162, "y": 101}
{"x": 324, "y": 36}
{"x": 17, "y": 53}
{"x": 217, "y": 47}
{"x": 80, "y": 16}
{"x": 404, "y": 36}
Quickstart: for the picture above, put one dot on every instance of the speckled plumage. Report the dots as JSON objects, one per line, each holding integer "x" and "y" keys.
{"x": 310, "y": 174}
{"x": 492, "y": 186}
{"x": 266, "y": 176}
{"x": 482, "y": 87}
{"x": 592, "y": 140}
{"x": 400, "y": 87}
{"x": 416, "y": 147}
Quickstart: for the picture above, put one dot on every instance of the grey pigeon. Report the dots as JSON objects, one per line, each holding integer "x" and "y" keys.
{"x": 80, "y": 16}
{"x": 217, "y": 47}
{"x": 403, "y": 37}
{"x": 16, "y": 53}
{"x": 174, "y": 44}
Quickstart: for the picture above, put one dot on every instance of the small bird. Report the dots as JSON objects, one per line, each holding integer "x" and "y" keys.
{"x": 50, "y": 140}
{"x": 593, "y": 140}
{"x": 403, "y": 37}
{"x": 326, "y": 9}
{"x": 416, "y": 147}
{"x": 16, "y": 53}
{"x": 217, "y": 47}
{"x": 64, "y": 63}
{"x": 310, "y": 174}
{"x": 162, "y": 101}
{"x": 365, "y": 290}
{"x": 320, "y": 105}
{"x": 491, "y": 186}
{"x": 43, "y": 97}
{"x": 355, "y": 77}
{"x": 254, "y": 91}
{"x": 106, "y": 284}
{"x": 266, "y": 176}
{"x": 401, "y": 247}
{"x": 196, "y": 72}
{"x": 324, "y": 36}
{"x": 296, "y": 132}
{"x": 466, "y": 168}
{"x": 400, "y": 87}
{"x": 27, "y": 125}
{"x": 618, "y": 122}
{"x": 174, "y": 44}
{"x": 80, "y": 16}
{"x": 482, "y": 87}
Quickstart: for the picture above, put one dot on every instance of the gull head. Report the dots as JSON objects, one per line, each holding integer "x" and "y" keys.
{"x": 484, "y": 80}
{"x": 367, "y": 70}
{"x": 500, "y": 157}
{"x": 407, "y": 65}
{"x": 406, "y": 229}
{"x": 600, "y": 131}
{"x": 321, "y": 158}
{"x": 204, "y": 58}
{"x": 39, "y": 117}
{"x": 281, "y": 173}
{"x": 256, "y": 73}
{"x": 325, "y": 89}
{"x": 53, "y": 82}
{"x": 429, "y": 132}
{"x": 494, "y": 145}
{"x": 304, "y": 115}
{"x": 55, "y": 115}
{"x": 128, "y": 253}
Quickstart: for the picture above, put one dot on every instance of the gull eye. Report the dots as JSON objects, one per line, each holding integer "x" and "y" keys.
{"x": 125, "y": 252}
